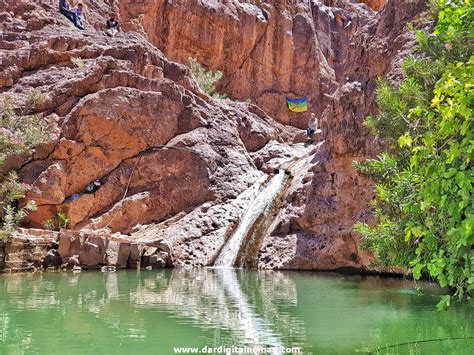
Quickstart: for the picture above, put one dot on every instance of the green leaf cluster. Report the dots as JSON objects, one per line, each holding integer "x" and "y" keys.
{"x": 206, "y": 79}
{"x": 60, "y": 221}
{"x": 20, "y": 131}
{"x": 425, "y": 182}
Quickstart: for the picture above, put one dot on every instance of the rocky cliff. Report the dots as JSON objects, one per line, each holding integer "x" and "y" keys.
{"x": 177, "y": 168}
{"x": 266, "y": 49}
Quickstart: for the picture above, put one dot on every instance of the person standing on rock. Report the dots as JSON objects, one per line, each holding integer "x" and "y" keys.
{"x": 112, "y": 26}
{"x": 312, "y": 127}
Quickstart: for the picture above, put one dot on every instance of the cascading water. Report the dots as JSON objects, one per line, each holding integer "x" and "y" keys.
{"x": 262, "y": 202}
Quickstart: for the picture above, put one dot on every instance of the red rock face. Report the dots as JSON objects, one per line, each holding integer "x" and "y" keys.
{"x": 133, "y": 120}
{"x": 326, "y": 198}
{"x": 177, "y": 167}
{"x": 266, "y": 50}
{"x": 375, "y": 4}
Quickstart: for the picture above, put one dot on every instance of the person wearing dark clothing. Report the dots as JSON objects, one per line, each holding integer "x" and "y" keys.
{"x": 93, "y": 187}
{"x": 65, "y": 9}
{"x": 79, "y": 10}
{"x": 112, "y": 26}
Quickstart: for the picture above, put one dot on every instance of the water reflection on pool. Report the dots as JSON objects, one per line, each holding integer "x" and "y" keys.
{"x": 156, "y": 311}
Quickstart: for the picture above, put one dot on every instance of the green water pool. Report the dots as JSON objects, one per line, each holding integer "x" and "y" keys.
{"x": 154, "y": 312}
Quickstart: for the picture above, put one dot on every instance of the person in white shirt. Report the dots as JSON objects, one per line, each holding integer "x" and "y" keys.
{"x": 312, "y": 126}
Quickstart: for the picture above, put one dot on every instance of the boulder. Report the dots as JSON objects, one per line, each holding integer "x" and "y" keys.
{"x": 118, "y": 253}
{"x": 71, "y": 262}
{"x": 70, "y": 243}
{"x": 52, "y": 259}
{"x": 135, "y": 256}
{"x": 93, "y": 251}
{"x": 154, "y": 258}
{"x": 26, "y": 250}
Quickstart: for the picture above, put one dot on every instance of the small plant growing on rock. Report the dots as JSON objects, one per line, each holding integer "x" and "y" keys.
{"x": 49, "y": 224}
{"x": 60, "y": 221}
{"x": 10, "y": 192}
{"x": 21, "y": 132}
{"x": 206, "y": 79}
{"x": 63, "y": 220}
{"x": 34, "y": 98}
{"x": 78, "y": 62}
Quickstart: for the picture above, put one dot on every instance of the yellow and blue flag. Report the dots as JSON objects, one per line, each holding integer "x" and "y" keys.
{"x": 297, "y": 105}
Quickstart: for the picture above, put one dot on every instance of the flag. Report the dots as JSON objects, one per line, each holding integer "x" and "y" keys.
{"x": 297, "y": 105}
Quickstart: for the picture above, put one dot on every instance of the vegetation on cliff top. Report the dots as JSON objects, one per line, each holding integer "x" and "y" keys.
{"x": 21, "y": 131}
{"x": 425, "y": 183}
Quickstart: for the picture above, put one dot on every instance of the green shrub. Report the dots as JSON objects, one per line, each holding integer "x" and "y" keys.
{"x": 63, "y": 220}
{"x": 60, "y": 221}
{"x": 425, "y": 183}
{"x": 50, "y": 224}
{"x": 20, "y": 132}
{"x": 34, "y": 98}
{"x": 206, "y": 79}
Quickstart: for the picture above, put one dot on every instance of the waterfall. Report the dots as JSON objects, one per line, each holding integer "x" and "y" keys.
{"x": 262, "y": 202}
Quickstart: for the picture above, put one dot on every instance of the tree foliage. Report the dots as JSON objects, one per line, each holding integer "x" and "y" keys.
{"x": 425, "y": 183}
{"x": 20, "y": 131}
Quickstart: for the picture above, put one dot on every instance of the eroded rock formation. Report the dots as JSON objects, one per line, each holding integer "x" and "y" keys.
{"x": 177, "y": 168}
